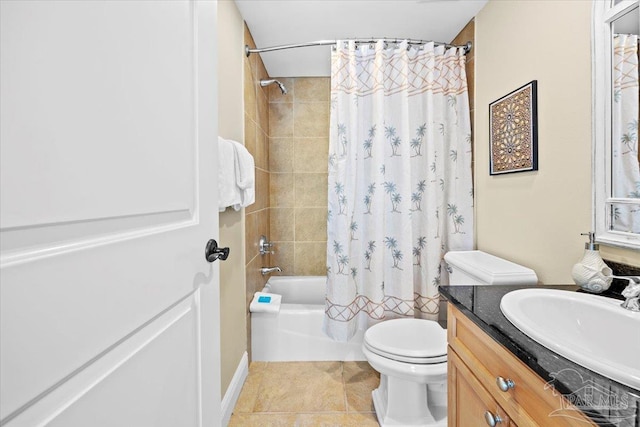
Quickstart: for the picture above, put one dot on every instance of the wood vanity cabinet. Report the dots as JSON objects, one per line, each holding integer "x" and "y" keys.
{"x": 475, "y": 361}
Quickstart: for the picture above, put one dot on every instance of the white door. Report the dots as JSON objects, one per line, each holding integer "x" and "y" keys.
{"x": 108, "y": 309}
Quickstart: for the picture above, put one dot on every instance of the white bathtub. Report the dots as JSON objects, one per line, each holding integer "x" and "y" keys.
{"x": 295, "y": 334}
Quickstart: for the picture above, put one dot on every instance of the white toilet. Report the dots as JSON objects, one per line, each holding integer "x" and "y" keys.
{"x": 411, "y": 354}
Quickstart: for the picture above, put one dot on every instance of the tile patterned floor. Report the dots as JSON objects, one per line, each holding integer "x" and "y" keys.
{"x": 307, "y": 394}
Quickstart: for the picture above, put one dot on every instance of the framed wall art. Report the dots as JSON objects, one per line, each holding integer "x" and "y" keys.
{"x": 513, "y": 135}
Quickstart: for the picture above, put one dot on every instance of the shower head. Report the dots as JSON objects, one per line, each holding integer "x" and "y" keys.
{"x": 264, "y": 83}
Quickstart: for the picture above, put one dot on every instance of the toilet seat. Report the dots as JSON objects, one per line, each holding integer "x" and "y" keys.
{"x": 406, "y": 359}
{"x": 416, "y": 341}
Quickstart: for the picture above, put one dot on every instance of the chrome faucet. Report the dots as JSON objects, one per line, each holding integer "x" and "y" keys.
{"x": 269, "y": 270}
{"x": 631, "y": 293}
{"x": 265, "y": 246}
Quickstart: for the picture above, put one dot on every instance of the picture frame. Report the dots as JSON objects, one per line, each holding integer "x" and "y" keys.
{"x": 513, "y": 131}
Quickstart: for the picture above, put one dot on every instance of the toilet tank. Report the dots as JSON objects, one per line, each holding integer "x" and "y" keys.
{"x": 481, "y": 268}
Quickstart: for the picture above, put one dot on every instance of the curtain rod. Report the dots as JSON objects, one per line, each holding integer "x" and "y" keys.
{"x": 248, "y": 51}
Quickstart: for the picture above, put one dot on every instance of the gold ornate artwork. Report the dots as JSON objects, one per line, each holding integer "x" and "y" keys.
{"x": 513, "y": 131}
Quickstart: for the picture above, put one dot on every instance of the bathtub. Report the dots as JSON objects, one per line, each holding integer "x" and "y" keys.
{"x": 295, "y": 333}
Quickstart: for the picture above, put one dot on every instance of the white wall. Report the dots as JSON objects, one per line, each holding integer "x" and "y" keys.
{"x": 233, "y": 330}
{"x": 535, "y": 218}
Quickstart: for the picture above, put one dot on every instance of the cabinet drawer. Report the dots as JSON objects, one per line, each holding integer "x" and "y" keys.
{"x": 530, "y": 402}
{"x": 469, "y": 401}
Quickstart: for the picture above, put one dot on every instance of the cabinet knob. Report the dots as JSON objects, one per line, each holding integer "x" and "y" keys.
{"x": 491, "y": 419}
{"x": 505, "y": 385}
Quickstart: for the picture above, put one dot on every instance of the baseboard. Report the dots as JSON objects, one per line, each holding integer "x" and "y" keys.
{"x": 234, "y": 389}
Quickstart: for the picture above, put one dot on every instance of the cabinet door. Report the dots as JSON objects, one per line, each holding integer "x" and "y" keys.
{"x": 469, "y": 402}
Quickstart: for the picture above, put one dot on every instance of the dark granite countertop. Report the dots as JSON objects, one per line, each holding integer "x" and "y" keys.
{"x": 606, "y": 402}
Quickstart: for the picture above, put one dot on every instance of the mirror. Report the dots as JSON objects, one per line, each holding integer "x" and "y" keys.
{"x": 625, "y": 166}
{"x": 616, "y": 102}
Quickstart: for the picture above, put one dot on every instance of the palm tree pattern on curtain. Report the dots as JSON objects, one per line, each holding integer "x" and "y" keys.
{"x": 400, "y": 191}
{"x": 624, "y": 144}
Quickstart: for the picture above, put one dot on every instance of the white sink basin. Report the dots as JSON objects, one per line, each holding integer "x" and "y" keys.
{"x": 591, "y": 330}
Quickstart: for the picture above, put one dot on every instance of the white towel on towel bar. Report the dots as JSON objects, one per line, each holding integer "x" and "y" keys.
{"x": 236, "y": 175}
{"x": 228, "y": 192}
{"x": 245, "y": 175}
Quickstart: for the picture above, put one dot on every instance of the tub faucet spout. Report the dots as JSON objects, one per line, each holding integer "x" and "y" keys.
{"x": 269, "y": 270}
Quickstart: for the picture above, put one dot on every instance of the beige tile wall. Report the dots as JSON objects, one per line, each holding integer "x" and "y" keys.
{"x": 298, "y": 147}
{"x": 256, "y": 122}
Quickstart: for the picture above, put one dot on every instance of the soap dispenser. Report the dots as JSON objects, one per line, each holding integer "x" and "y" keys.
{"x": 591, "y": 273}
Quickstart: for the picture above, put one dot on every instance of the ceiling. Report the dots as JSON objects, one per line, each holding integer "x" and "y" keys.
{"x": 284, "y": 22}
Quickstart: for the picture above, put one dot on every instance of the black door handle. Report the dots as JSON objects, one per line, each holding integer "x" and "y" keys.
{"x": 212, "y": 252}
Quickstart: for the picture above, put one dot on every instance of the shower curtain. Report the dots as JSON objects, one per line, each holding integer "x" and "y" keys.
{"x": 625, "y": 165}
{"x": 400, "y": 187}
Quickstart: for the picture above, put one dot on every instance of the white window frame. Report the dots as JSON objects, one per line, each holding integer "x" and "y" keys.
{"x": 604, "y": 13}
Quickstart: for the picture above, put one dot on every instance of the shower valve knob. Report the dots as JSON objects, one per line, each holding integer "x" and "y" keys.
{"x": 265, "y": 246}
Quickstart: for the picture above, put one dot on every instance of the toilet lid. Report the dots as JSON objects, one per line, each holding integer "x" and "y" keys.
{"x": 408, "y": 340}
